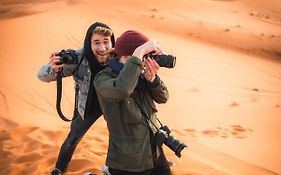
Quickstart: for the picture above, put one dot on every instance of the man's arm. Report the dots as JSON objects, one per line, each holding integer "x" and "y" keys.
{"x": 47, "y": 73}
{"x": 158, "y": 90}
{"x": 121, "y": 87}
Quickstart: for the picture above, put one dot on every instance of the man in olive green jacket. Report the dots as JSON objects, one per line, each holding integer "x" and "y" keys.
{"x": 127, "y": 85}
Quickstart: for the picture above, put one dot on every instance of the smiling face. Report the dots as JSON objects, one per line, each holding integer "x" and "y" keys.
{"x": 101, "y": 46}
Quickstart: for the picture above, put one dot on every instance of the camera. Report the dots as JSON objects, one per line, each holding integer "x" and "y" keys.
{"x": 168, "y": 61}
{"x": 67, "y": 57}
{"x": 163, "y": 136}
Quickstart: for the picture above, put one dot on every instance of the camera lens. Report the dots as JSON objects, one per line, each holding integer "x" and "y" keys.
{"x": 175, "y": 145}
{"x": 179, "y": 149}
{"x": 67, "y": 59}
{"x": 168, "y": 61}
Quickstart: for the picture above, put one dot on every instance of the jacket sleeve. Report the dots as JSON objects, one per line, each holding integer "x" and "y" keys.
{"x": 158, "y": 90}
{"x": 121, "y": 87}
{"x": 47, "y": 74}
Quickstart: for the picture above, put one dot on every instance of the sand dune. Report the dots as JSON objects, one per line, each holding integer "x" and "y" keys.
{"x": 19, "y": 8}
{"x": 31, "y": 150}
{"x": 224, "y": 92}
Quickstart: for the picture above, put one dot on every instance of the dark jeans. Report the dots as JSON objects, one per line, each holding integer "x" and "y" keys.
{"x": 78, "y": 129}
{"x": 161, "y": 168}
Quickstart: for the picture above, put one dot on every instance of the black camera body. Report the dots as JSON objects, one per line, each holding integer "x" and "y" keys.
{"x": 67, "y": 57}
{"x": 163, "y": 136}
{"x": 168, "y": 61}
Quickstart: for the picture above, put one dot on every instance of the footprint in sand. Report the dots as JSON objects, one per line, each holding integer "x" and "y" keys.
{"x": 271, "y": 18}
{"x": 210, "y": 133}
{"x": 234, "y": 131}
{"x": 185, "y": 132}
{"x": 194, "y": 89}
{"x": 227, "y": 30}
{"x": 234, "y": 104}
{"x": 154, "y": 10}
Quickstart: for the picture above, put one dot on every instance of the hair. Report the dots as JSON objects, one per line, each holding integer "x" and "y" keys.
{"x": 103, "y": 31}
{"x": 88, "y": 53}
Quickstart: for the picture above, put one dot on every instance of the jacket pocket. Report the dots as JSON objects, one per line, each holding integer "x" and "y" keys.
{"x": 125, "y": 145}
{"x": 131, "y": 112}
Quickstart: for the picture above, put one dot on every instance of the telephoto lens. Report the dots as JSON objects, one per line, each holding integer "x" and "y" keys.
{"x": 168, "y": 61}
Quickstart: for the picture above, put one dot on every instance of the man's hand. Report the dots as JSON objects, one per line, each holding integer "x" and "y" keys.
{"x": 53, "y": 60}
{"x": 149, "y": 46}
{"x": 151, "y": 69}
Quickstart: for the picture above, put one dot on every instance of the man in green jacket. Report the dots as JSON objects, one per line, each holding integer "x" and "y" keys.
{"x": 127, "y": 89}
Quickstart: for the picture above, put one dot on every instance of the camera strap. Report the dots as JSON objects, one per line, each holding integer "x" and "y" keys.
{"x": 154, "y": 148}
{"x": 59, "y": 95}
{"x": 147, "y": 118}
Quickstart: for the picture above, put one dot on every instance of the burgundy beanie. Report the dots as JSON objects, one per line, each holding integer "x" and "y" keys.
{"x": 126, "y": 44}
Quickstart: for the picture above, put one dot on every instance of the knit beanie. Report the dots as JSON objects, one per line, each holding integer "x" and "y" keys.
{"x": 126, "y": 44}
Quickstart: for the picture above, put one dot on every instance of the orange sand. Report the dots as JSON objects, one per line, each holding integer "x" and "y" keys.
{"x": 225, "y": 95}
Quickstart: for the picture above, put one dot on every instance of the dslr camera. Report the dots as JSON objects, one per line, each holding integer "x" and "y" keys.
{"x": 67, "y": 57}
{"x": 168, "y": 61}
{"x": 163, "y": 136}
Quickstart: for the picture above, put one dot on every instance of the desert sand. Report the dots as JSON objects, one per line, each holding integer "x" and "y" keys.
{"x": 225, "y": 95}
